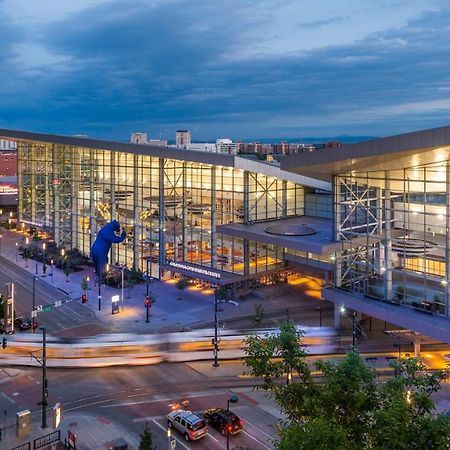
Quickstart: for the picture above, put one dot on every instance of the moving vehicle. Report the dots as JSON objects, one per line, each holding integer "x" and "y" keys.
{"x": 22, "y": 323}
{"x": 226, "y": 422}
{"x": 189, "y": 424}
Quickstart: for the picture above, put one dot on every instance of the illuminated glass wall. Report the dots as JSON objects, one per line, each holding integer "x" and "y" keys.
{"x": 394, "y": 227}
{"x": 169, "y": 208}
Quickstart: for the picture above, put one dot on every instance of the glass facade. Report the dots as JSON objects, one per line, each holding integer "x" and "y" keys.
{"x": 394, "y": 228}
{"x": 170, "y": 208}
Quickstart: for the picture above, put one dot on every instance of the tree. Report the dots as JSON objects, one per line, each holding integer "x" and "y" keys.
{"x": 349, "y": 409}
{"x": 146, "y": 439}
{"x": 68, "y": 269}
{"x": 84, "y": 284}
{"x": 181, "y": 286}
{"x": 259, "y": 312}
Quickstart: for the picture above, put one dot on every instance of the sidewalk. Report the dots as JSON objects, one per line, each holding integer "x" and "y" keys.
{"x": 168, "y": 313}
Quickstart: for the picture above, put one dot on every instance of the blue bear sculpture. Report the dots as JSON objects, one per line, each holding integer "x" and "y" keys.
{"x": 102, "y": 244}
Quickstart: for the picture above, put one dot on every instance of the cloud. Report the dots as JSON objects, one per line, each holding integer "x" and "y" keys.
{"x": 227, "y": 68}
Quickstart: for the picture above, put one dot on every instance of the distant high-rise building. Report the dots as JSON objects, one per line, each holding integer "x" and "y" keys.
{"x": 139, "y": 138}
{"x": 226, "y": 146}
{"x": 183, "y": 138}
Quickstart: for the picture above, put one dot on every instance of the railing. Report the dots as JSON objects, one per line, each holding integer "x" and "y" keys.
{"x": 47, "y": 439}
{"x": 41, "y": 441}
{"x": 26, "y": 446}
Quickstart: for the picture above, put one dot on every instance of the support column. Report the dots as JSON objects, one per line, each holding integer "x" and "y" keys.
{"x": 336, "y": 221}
{"x": 387, "y": 244}
{"x": 162, "y": 217}
{"x": 137, "y": 225}
{"x": 92, "y": 178}
{"x": 417, "y": 349}
{"x": 246, "y": 198}
{"x": 56, "y": 195}
{"x": 284, "y": 198}
{"x": 337, "y": 317}
{"x": 183, "y": 213}
{"x": 112, "y": 188}
{"x": 213, "y": 218}
{"x": 447, "y": 241}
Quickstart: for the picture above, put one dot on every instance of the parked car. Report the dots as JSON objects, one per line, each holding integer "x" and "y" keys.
{"x": 22, "y": 323}
{"x": 189, "y": 424}
{"x": 223, "y": 420}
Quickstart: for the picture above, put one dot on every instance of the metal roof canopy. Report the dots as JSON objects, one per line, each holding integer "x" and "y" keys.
{"x": 212, "y": 158}
{"x": 389, "y": 153}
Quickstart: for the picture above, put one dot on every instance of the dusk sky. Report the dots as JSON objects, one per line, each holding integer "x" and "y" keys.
{"x": 243, "y": 69}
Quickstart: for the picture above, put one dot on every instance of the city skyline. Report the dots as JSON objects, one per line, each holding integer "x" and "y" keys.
{"x": 243, "y": 70}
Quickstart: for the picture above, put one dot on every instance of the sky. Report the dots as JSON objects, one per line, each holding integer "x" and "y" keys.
{"x": 239, "y": 69}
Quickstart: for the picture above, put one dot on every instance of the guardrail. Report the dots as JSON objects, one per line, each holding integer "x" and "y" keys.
{"x": 40, "y": 442}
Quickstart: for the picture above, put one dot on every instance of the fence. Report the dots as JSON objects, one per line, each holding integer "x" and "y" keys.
{"x": 41, "y": 441}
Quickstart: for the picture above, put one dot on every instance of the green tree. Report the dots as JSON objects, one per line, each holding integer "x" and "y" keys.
{"x": 146, "y": 439}
{"x": 349, "y": 409}
{"x": 181, "y": 286}
{"x": 259, "y": 312}
{"x": 68, "y": 269}
{"x": 84, "y": 284}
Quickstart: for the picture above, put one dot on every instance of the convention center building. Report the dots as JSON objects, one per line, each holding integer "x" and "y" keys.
{"x": 370, "y": 219}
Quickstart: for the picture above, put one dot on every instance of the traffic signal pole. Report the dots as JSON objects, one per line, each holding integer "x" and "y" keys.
{"x": 44, "y": 378}
{"x": 216, "y": 341}
{"x": 43, "y": 363}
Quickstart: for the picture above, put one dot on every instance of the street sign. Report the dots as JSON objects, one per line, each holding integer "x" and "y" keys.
{"x": 48, "y": 308}
{"x": 56, "y": 415}
{"x": 33, "y": 313}
{"x": 58, "y": 303}
{"x": 39, "y": 308}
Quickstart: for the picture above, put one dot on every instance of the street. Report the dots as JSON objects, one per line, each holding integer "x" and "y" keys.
{"x": 71, "y": 314}
{"x": 100, "y": 405}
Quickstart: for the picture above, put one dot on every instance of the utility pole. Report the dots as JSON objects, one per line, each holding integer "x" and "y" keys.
{"x": 33, "y": 311}
{"x": 216, "y": 342}
{"x": 354, "y": 329}
{"x": 43, "y": 364}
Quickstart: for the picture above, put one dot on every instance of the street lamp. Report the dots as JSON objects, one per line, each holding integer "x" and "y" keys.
{"x": 53, "y": 264}
{"x": 1, "y": 238}
{"x": 17, "y": 251}
{"x": 232, "y": 399}
{"x": 44, "y": 266}
{"x": 87, "y": 281}
{"x": 27, "y": 241}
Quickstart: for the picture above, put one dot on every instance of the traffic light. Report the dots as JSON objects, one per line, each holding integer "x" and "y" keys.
{"x": 4, "y": 342}
{"x": 83, "y": 298}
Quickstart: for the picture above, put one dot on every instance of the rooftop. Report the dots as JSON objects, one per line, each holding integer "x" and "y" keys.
{"x": 389, "y": 153}
{"x": 319, "y": 243}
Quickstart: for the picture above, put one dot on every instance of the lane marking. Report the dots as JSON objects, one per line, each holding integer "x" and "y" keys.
{"x": 259, "y": 442}
{"x": 162, "y": 399}
{"x": 173, "y": 435}
{"x": 259, "y": 429}
{"x": 7, "y": 398}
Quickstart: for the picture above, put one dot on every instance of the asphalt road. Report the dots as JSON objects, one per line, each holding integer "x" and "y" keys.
{"x": 68, "y": 315}
{"x": 130, "y": 397}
